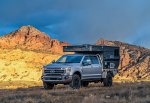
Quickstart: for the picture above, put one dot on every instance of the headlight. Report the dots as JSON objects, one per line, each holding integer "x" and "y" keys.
{"x": 68, "y": 70}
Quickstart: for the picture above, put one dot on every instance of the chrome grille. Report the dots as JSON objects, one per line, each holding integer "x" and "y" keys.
{"x": 51, "y": 72}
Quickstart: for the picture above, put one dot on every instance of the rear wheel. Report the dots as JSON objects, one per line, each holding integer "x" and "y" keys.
{"x": 85, "y": 83}
{"x": 108, "y": 80}
{"x": 76, "y": 82}
{"x": 48, "y": 85}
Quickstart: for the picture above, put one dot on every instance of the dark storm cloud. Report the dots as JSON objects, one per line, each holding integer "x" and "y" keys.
{"x": 81, "y": 21}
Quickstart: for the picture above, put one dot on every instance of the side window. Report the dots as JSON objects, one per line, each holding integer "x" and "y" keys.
{"x": 94, "y": 60}
{"x": 86, "y": 58}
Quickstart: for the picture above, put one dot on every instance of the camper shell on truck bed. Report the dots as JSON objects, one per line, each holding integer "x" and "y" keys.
{"x": 109, "y": 55}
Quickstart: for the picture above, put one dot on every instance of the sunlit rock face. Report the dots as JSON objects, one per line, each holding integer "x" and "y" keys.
{"x": 30, "y": 38}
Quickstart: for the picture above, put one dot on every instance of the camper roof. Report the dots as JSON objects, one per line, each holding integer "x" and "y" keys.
{"x": 88, "y": 48}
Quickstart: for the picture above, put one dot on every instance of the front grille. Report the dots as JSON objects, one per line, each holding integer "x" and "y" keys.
{"x": 54, "y": 72}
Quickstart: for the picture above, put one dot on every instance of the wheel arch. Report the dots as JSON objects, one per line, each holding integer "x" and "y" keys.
{"x": 78, "y": 73}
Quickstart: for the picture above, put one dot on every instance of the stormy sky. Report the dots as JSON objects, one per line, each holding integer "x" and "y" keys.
{"x": 80, "y": 21}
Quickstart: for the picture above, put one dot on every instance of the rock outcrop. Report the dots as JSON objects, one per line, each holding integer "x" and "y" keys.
{"x": 135, "y": 60}
{"x": 30, "y": 38}
{"x": 134, "y": 63}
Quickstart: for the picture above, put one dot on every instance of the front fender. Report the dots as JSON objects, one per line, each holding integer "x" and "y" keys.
{"x": 76, "y": 70}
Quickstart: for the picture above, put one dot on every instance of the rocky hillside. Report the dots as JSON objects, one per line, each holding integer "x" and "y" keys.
{"x": 22, "y": 55}
{"x": 24, "y": 52}
{"x": 135, "y": 60}
{"x": 29, "y": 38}
{"x": 20, "y": 68}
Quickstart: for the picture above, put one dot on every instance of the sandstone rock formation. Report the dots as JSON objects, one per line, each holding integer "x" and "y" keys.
{"x": 135, "y": 60}
{"x": 30, "y": 50}
{"x": 29, "y": 38}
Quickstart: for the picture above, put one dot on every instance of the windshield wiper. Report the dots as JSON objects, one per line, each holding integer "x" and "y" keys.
{"x": 70, "y": 62}
{"x": 65, "y": 62}
{"x": 59, "y": 62}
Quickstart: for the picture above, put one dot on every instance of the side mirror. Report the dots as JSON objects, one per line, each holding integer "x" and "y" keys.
{"x": 53, "y": 61}
{"x": 87, "y": 62}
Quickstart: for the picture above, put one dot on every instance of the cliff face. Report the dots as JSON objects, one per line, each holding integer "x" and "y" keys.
{"x": 29, "y": 38}
{"x": 135, "y": 60}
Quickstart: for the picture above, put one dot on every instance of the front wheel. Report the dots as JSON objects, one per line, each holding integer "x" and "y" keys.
{"x": 108, "y": 80}
{"x": 48, "y": 85}
{"x": 76, "y": 82}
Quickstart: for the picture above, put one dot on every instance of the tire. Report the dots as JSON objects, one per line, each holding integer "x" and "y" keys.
{"x": 48, "y": 86}
{"x": 76, "y": 82}
{"x": 108, "y": 80}
{"x": 85, "y": 84}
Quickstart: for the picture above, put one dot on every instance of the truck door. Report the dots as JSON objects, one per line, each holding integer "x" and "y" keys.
{"x": 96, "y": 67}
{"x": 86, "y": 69}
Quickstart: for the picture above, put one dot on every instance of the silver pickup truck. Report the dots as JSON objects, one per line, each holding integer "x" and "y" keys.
{"x": 90, "y": 63}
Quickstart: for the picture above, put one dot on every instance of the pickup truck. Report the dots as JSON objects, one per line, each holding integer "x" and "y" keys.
{"x": 89, "y": 63}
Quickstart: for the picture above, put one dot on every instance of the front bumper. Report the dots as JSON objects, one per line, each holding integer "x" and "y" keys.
{"x": 57, "y": 79}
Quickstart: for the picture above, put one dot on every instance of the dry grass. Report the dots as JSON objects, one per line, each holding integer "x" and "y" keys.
{"x": 95, "y": 93}
{"x": 18, "y": 65}
{"x": 19, "y": 84}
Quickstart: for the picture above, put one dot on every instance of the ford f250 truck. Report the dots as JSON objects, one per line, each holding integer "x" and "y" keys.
{"x": 89, "y": 63}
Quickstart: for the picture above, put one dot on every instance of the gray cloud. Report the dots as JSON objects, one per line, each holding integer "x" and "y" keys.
{"x": 81, "y": 21}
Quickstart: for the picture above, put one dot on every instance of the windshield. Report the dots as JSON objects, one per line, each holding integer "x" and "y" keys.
{"x": 69, "y": 59}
